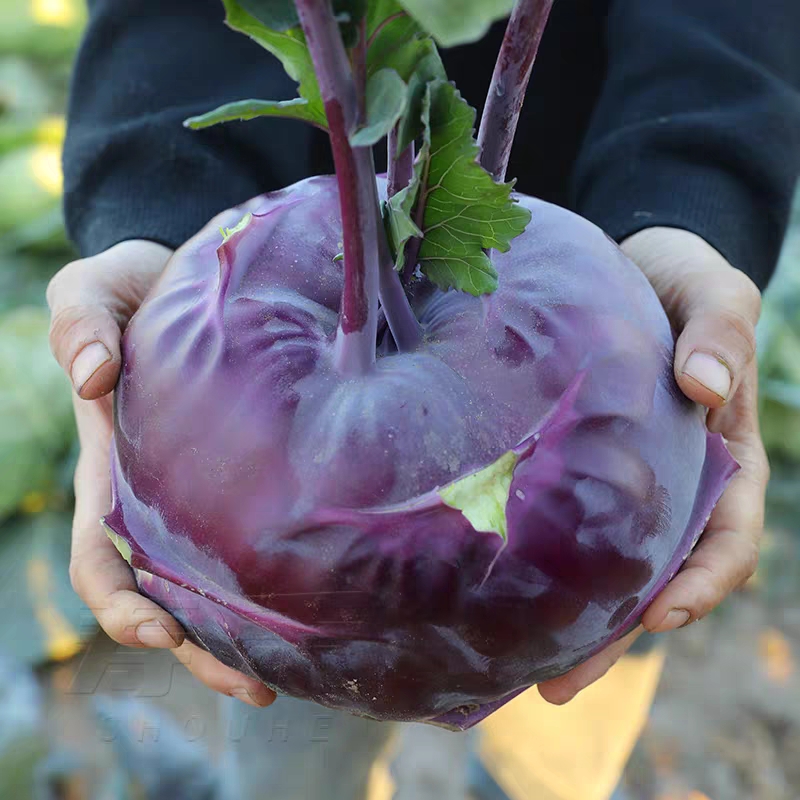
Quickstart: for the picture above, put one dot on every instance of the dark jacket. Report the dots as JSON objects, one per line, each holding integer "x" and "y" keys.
{"x": 683, "y": 113}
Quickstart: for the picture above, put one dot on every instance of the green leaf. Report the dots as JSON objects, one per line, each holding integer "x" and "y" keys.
{"x": 289, "y": 47}
{"x": 280, "y": 15}
{"x": 397, "y": 42}
{"x": 386, "y": 101}
{"x": 400, "y": 227}
{"x": 453, "y": 22}
{"x": 428, "y": 68}
{"x": 465, "y": 211}
{"x": 394, "y": 39}
{"x": 381, "y": 13}
{"x": 36, "y": 424}
{"x": 242, "y": 110}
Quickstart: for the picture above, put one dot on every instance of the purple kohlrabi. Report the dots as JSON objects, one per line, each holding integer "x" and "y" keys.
{"x": 425, "y": 538}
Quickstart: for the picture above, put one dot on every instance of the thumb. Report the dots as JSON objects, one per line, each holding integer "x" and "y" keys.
{"x": 713, "y": 306}
{"x": 91, "y": 301}
{"x": 717, "y": 342}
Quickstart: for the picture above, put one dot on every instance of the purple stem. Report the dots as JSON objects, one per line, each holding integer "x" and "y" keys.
{"x": 406, "y": 330}
{"x": 414, "y": 244}
{"x": 358, "y": 191}
{"x": 360, "y": 71}
{"x": 400, "y": 317}
{"x": 401, "y": 166}
{"x": 509, "y": 82}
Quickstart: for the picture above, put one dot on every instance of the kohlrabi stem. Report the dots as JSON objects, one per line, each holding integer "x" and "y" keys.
{"x": 509, "y": 82}
{"x": 415, "y": 243}
{"x": 360, "y": 70}
{"x": 400, "y": 165}
{"x": 358, "y": 192}
{"x": 406, "y": 330}
{"x": 400, "y": 317}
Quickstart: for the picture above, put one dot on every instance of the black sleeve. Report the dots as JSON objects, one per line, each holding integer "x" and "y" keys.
{"x": 131, "y": 170}
{"x": 698, "y": 125}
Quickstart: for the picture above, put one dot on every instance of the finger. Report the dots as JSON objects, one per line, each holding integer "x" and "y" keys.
{"x": 712, "y": 354}
{"x": 100, "y": 576}
{"x": 561, "y": 690}
{"x": 727, "y": 554}
{"x": 723, "y": 561}
{"x": 713, "y": 306}
{"x": 719, "y": 311}
{"x": 221, "y": 678}
{"x": 90, "y": 302}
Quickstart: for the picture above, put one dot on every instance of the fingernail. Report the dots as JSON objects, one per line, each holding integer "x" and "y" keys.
{"x": 250, "y": 697}
{"x": 710, "y": 372}
{"x": 87, "y": 362}
{"x": 153, "y": 634}
{"x": 675, "y": 619}
{"x": 563, "y": 699}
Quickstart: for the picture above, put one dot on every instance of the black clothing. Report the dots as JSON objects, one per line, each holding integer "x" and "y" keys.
{"x": 683, "y": 113}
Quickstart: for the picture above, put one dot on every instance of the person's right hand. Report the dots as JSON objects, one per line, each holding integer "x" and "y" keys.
{"x": 91, "y": 302}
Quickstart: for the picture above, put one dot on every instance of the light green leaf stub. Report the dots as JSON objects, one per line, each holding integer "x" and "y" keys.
{"x": 483, "y": 496}
{"x": 122, "y": 546}
{"x": 464, "y": 210}
{"x": 243, "y": 110}
{"x": 228, "y": 233}
{"x": 386, "y": 101}
{"x": 453, "y": 22}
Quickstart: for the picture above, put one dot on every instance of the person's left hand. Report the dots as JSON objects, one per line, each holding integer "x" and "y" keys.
{"x": 713, "y": 308}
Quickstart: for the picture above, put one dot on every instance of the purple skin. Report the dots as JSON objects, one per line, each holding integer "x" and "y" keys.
{"x": 288, "y": 515}
{"x": 509, "y": 83}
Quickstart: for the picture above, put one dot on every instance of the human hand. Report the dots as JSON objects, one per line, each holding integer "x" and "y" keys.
{"x": 91, "y": 302}
{"x": 714, "y": 309}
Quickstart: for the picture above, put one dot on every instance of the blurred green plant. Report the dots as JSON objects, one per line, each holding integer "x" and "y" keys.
{"x": 44, "y": 620}
{"x": 36, "y": 426}
{"x": 42, "y": 30}
{"x": 779, "y": 355}
{"x": 778, "y": 574}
